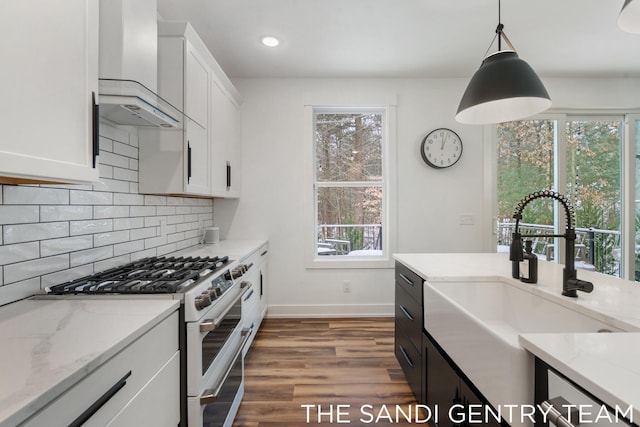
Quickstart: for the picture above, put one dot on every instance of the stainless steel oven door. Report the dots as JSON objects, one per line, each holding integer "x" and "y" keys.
{"x": 212, "y": 340}
{"x": 218, "y": 406}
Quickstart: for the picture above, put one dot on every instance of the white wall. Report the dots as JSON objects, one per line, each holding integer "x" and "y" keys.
{"x": 430, "y": 201}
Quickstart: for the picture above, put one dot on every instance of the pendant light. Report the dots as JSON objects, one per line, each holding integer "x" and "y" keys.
{"x": 504, "y": 88}
{"x": 629, "y": 18}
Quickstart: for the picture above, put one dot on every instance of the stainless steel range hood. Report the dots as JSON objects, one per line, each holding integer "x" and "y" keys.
{"x": 127, "y": 102}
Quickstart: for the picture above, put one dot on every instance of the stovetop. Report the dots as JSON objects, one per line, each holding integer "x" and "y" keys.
{"x": 152, "y": 275}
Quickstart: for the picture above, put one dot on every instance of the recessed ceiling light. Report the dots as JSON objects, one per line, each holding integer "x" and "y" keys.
{"x": 270, "y": 41}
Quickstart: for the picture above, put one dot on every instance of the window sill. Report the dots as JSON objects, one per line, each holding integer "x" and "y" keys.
{"x": 349, "y": 262}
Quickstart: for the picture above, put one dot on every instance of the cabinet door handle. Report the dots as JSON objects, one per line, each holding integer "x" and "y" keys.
{"x": 228, "y": 175}
{"x": 406, "y": 356}
{"x": 261, "y": 285}
{"x": 95, "y": 123}
{"x": 406, "y": 313}
{"x": 188, "y": 161}
{"x": 95, "y": 407}
{"x": 406, "y": 279}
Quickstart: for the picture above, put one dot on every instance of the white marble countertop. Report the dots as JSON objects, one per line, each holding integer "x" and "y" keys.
{"x": 606, "y": 364}
{"x": 48, "y": 345}
{"x": 235, "y": 249}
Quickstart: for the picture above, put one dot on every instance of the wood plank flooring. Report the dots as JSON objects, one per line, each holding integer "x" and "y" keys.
{"x": 324, "y": 362}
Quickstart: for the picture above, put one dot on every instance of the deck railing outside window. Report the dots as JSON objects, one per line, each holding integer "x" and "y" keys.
{"x": 597, "y": 250}
{"x": 345, "y": 239}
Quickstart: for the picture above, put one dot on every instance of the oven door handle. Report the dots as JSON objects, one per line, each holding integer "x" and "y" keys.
{"x": 212, "y": 396}
{"x": 209, "y": 325}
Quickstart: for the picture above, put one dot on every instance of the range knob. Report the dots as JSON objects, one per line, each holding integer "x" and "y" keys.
{"x": 201, "y": 301}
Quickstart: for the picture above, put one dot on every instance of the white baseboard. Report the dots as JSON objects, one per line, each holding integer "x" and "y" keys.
{"x": 330, "y": 310}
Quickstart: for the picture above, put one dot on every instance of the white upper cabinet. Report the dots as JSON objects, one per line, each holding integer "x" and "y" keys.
{"x": 203, "y": 159}
{"x": 177, "y": 162}
{"x": 225, "y": 144}
{"x": 48, "y": 80}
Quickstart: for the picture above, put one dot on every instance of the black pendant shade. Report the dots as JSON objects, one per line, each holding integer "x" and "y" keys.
{"x": 629, "y": 18}
{"x": 504, "y": 88}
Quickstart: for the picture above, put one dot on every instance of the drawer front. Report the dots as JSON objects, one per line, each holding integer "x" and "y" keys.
{"x": 411, "y": 362}
{"x": 410, "y": 282}
{"x": 409, "y": 316}
{"x": 142, "y": 359}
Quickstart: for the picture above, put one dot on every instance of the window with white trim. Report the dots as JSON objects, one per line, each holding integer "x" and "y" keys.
{"x": 350, "y": 182}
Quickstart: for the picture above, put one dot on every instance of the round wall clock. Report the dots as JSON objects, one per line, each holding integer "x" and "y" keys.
{"x": 441, "y": 148}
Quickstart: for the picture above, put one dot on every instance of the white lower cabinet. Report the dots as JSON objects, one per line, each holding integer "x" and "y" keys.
{"x": 138, "y": 386}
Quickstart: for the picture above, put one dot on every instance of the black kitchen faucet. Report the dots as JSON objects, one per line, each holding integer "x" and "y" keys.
{"x": 570, "y": 282}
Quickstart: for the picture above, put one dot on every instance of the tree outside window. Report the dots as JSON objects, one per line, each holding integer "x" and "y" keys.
{"x": 348, "y": 182}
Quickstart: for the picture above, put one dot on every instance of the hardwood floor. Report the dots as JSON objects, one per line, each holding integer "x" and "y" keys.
{"x": 324, "y": 363}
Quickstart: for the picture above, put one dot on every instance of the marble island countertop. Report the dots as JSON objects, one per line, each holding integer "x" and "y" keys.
{"x": 48, "y": 345}
{"x": 605, "y": 364}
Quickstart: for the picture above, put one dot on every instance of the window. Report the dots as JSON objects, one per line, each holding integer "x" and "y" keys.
{"x": 581, "y": 156}
{"x": 350, "y": 184}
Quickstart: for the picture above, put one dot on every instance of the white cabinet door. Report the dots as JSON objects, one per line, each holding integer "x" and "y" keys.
{"x": 196, "y": 86}
{"x": 225, "y": 142}
{"x": 197, "y": 159}
{"x": 172, "y": 163}
{"x": 48, "y": 74}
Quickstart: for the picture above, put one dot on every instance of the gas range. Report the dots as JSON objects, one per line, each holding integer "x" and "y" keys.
{"x": 198, "y": 281}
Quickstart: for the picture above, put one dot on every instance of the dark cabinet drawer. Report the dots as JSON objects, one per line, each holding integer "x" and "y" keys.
{"x": 409, "y": 281}
{"x": 411, "y": 362}
{"x": 409, "y": 316}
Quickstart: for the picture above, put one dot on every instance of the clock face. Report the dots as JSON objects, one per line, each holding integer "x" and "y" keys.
{"x": 441, "y": 148}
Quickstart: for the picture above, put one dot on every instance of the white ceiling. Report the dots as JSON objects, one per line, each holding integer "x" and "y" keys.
{"x": 408, "y": 38}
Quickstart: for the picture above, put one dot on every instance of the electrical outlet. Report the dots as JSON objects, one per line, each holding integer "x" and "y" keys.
{"x": 346, "y": 287}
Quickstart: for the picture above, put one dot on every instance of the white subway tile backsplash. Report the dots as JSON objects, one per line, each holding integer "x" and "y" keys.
{"x": 127, "y": 223}
{"x": 110, "y": 212}
{"x": 128, "y": 199}
{"x": 166, "y": 210}
{"x": 125, "y": 150}
{"x": 38, "y": 231}
{"x": 29, "y": 195}
{"x": 34, "y": 268}
{"x": 128, "y": 247}
{"x": 143, "y": 210}
{"x": 102, "y": 239}
{"x": 90, "y": 226}
{"x": 51, "y": 234}
{"x": 65, "y": 213}
{"x": 125, "y": 174}
{"x": 114, "y": 185}
{"x": 112, "y": 159}
{"x": 143, "y": 233}
{"x": 155, "y": 200}
{"x": 19, "y": 214}
{"x": 66, "y": 244}
{"x": 91, "y": 198}
{"x": 90, "y": 255}
{"x": 10, "y": 254}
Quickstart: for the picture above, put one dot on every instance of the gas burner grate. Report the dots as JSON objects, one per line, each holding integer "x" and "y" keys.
{"x": 152, "y": 275}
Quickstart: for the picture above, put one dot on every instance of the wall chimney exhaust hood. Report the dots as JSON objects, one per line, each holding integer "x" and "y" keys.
{"x": 127, "y": 102}
{"x": 129, "y": 66}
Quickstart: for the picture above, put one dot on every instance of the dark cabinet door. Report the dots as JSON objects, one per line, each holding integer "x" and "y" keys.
{"x": 442, "y": 386}
{"x": 411, "y": 362}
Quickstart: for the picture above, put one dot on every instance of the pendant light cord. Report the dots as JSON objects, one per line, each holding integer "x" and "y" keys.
{"x": 500, "y": 34}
